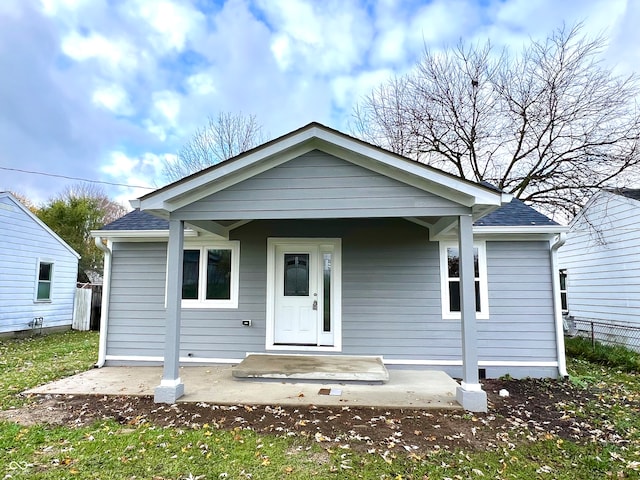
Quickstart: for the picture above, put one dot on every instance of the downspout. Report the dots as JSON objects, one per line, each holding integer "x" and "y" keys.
{"x": 557, "y": 304}
{"x": 104, "y": 314}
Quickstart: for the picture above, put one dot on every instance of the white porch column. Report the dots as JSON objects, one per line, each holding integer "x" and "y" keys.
{"x": 171, "y": 387}
{"x": 470, "y": 394}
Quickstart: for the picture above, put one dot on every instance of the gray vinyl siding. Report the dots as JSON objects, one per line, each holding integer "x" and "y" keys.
{"x": 521, "y": 324}
{"x": 23, "y": 242}
{"x": 318, "y": 185}
{"x": 602, "y": 258}
{"x": 391, "y": 297}
{"x": 137, "y": 299}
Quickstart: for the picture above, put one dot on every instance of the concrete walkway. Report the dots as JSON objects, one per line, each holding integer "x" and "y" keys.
{"x": 216, "y": 385}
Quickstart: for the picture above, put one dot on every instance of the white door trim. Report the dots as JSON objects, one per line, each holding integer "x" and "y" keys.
{"x": 334, "y": 245}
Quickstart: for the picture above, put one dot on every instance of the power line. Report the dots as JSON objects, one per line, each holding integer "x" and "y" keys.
{"x": 75, "y": 178}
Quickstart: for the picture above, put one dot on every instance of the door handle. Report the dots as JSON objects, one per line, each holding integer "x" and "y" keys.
{"x": 315, "y": 304}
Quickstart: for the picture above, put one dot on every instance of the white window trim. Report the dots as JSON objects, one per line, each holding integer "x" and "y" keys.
{"x": 35, "y": 293}
{"x": 203, "y": 245}
{"x": 333, "y": 245}
{"x": 483, "y": 314}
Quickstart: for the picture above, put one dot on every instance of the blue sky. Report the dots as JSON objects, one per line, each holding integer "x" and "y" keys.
{"x": 108, "y": 89}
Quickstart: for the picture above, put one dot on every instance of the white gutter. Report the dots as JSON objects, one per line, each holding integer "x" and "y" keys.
{"x": 557, "y": 303}
{"x": 104, "y": 314}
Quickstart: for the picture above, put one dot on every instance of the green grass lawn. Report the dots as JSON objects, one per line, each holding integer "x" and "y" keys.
{"x": 32, "y": 361}
{"x": 107, "y": 449}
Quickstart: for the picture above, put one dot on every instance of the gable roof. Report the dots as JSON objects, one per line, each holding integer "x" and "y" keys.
{"x": 491, "y": 207}
{"x": 43, "y": 225}
{"x": 138, "y": 220}
{"x": 315, "y": 136}
{"x": 632, "y": 193}
{"x": 515, "y": 213}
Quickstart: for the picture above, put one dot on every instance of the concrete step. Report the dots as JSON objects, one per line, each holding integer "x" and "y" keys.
{"x": 336, "y": 368}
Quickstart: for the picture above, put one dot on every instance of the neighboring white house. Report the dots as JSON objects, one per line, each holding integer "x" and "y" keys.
{"x": 601, "y": 261}
{"x": 38, "y": 272}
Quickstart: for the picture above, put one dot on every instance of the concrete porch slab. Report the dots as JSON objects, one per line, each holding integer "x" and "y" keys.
{"x": 333, "y": 368}
{"x": 421, "y": 389}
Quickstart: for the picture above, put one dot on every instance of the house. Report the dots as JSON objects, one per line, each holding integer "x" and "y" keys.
{"x": 600, "y": 263}
{"x": 319, "y": 243}
{"x": 38, "y": 272}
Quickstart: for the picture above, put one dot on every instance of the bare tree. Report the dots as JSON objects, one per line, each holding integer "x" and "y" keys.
{"x": 221, "y": 138}
{"x": 550, "y": 125}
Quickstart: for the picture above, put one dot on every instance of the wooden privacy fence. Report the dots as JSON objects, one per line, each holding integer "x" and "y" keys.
{"x": 87, "y": 307}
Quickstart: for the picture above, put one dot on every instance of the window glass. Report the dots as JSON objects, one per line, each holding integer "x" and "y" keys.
{"x": 45, "y": 271}
{"x": 190, "y": 274}
{"x": 218, "y": 274}
{"x": 210, "y": 275}
{"x": 453, "y": 271}
{"x": 326, "y": 327}
{"x": 563, "y": 290}
{"x": 450, "y": 272}
{"x": 453, "y": 262}
{"x": 454, "y": 296}
{"x": 296, "y": 274}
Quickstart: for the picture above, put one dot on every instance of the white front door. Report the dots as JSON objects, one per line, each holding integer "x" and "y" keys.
{"x": 304, "y": 294}
{"x": 297, "y": 306}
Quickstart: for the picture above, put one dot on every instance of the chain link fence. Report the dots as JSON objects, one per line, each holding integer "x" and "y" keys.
{"x": 609, "y": 333}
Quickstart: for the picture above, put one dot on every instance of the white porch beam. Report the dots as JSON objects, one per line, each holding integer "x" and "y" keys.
{"x": 442, "y": 227}
{"x": 171, "y": 387}
{"x": 470, "y": 394}
{"x": 210, "y": 227}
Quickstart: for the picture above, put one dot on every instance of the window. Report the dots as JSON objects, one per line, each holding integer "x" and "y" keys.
{"x": 450, "y": 280}
{"x": 210, "y": 275}
{"x": 45, "y": 275}
{"x": 563, "y": 291}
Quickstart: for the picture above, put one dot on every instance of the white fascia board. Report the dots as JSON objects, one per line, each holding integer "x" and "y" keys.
{"x": 223, "y": 176}
{"x": 521, "y": 229}
{"x": 514, "y": 233}
{"x": 188, "y": 191}
{"x": 434, "y": 178}
{"x": 137, "y": 235}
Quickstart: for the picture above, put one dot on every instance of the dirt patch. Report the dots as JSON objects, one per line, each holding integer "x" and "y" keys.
{"x": 534, "y": 409}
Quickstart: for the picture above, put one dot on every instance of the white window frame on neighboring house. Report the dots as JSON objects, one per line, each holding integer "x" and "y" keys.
{"x": 203, "y": 247}
{"x": 481, "y": 247}
{"x": 49, "y": 281}
{"x": 564, "y": 300}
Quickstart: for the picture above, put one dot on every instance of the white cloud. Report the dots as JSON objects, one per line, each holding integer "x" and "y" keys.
{"x": 348, "y": 89}
{"x": 391, "y": 45}
{"x": 114, "y": 98}
{"x": 172, "y": 23}
{"x": 323, "y": 37}
{"x": 142, "y": 172}
{"x": 167, "y": 103}
{"x": 118, "y": 54}
{"x": 201, "y": 84}
{"x": 53, "y": 7}
{"x": 120, "y": 165}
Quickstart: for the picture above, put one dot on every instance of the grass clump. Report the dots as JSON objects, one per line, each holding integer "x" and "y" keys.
{"x": 28, "y": 362}
{"x": 613, "y": 356}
